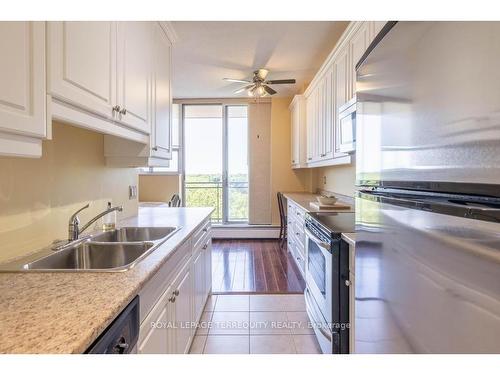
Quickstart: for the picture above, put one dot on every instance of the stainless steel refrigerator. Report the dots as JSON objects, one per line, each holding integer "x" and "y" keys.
{"x": 427, "y": 264}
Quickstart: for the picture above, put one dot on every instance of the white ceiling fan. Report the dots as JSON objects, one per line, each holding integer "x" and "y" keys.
{"x": 259, "y": 86}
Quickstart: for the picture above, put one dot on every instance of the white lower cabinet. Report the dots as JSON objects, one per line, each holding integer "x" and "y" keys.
{"x": 296, "y": 236}
{"x": 169, "y": 325}
{"x": 202, "y": 268}
{"x": 199, "y": 283}
{"x": 155, "y": 329}
{"x": 180, "y": 303}
{"x": 208, "y": 267}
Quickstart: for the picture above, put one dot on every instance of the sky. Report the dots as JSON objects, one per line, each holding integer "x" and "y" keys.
{"x": 203, "y": 145}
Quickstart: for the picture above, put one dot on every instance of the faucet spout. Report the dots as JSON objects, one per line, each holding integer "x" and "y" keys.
{"x": 94, "y": 219}
{"x": 74, "y": 229}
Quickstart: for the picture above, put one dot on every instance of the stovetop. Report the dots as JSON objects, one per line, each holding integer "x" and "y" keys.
{"x": 333, "y": 223}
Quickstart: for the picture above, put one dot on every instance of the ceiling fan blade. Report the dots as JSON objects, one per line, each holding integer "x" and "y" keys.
{"x": 261, "y": 73}
{"x": 280, "y": 81}
{"x": 269, "y": 90}
{"x": 244, "y": 88}
{"x": 236, "y": 80}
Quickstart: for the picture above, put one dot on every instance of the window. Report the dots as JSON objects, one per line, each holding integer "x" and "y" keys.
{"x": 216, "y": 162}
{"x": 174, "y": 164}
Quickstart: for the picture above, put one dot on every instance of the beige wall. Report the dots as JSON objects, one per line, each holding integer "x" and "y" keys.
{"x": 158, "y": 188}
{"x": 339, "y": 179}
{"x": 283, "y": 177}
{"x": 37, "y": 196}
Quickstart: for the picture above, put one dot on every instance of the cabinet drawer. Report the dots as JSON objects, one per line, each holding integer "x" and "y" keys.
{"x": 300, "y": 214}
{"x": 290, "y": 209}
{"x": 201, "y": 233}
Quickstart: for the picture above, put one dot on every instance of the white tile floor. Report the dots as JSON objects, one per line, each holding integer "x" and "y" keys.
{"x": 255, "y": 324}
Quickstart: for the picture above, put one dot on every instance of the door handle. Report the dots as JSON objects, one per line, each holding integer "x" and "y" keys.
{"x": 313, "y": 238}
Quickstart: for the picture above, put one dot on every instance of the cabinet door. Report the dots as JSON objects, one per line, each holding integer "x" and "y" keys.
{"x": 342, "y": 77}
{"x": 182, "y": 313}
{"x": 22, "y": 78}
{"x": 310, "y": 111}
{"x": 357, "y": 47}
{"x": 328, "y": 142}
{"x": 82, "y": 67}
{"x": 320, "y": 135}
{"x": 199, "y": 283}
{"x": 162, "y": 96}
{"x": 156, "y": 340}
{"x": 134, "y": 74}
{"x": 208, "y": 268}
{"x": 295, "y": 118}
{"x": 156, "y": 329}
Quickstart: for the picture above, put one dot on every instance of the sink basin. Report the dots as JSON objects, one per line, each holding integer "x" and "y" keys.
{"x": 134, "y": 234}
{"x": 92, "y": 256}
{"x": 112, "y": 251}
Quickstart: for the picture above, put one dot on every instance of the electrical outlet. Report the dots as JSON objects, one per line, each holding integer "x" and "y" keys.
{"x": 132, "y": 192}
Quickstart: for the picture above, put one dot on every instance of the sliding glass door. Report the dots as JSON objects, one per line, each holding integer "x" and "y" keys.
{"x": 216, "y": 162}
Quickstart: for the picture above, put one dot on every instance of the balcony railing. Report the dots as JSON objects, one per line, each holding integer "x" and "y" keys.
{"x": 210, "y": 194}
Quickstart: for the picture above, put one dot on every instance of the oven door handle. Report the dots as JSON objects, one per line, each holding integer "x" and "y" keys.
{"x": 317, "y": 241}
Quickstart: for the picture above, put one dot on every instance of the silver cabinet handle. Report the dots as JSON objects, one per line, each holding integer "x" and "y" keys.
{"x": 123, "y": 111}
{"x": 171, "y": 299}
{"x": 155, "y": 148}
{"x": 205, "y": 230}
{"x": 117, "y": 108}
{"x": 176, "y": 292}
{"x": 348, "y": 283}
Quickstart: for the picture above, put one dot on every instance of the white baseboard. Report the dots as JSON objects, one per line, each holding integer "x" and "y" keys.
{"x": 245, "y": 232}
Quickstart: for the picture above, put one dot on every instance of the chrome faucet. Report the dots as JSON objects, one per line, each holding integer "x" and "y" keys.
{"x": 74, "y": 230}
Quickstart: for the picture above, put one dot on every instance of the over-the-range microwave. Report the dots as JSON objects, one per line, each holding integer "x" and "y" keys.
{"x": 346, "y": 133}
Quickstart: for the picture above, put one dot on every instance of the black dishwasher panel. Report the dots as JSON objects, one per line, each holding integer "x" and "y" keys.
{"x": 121, "y": 335}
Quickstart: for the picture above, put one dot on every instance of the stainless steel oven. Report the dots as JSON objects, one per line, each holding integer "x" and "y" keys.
{"x": 319, "y": 271}
{"x": 346, "y": 136}
{"x": 327, "y": 270}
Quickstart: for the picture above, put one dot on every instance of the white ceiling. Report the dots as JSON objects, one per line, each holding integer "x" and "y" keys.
{"x": 207, "y": 52}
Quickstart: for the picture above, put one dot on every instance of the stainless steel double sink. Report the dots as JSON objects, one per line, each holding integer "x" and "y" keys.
{"x": 110, "y": 251}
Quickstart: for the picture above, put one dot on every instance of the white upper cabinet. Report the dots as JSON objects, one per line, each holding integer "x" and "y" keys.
{"x": 332, "y": 87}
{"x": 329, "y": 110}
{"x": 161, "y": 130}
{"x": 82, "y": 65}
{"x": 358, "y": 44}
{"x": 134, "y": 52}
{"x": 342, "y": 77}
{"x": 22, "y": 88}
{"x": 298, "y": 132}
{"x": 151, "y": 111}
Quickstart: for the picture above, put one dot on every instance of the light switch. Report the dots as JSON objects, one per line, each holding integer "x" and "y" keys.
{"x": 132, "y": 192}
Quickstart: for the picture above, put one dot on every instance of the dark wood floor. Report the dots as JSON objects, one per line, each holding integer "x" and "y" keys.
{"x": 259, "y": 266}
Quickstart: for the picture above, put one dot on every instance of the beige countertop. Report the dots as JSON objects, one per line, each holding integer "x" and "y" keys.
{"x": 58, "y": 312}
{"x": 304, "y": 200}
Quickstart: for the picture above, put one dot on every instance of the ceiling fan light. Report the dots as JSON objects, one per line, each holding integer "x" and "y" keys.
{"x": 259, "y": 91}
